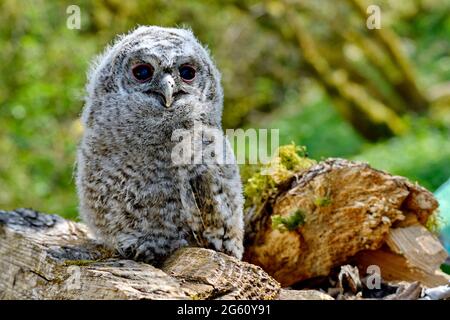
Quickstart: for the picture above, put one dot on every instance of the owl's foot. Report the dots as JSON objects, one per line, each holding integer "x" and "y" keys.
{"x": 233, "y": 247}
{"x": 230, "y": 243}
{"x": 147, "y": 249}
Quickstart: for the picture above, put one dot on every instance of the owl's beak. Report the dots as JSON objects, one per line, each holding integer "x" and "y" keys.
{"x": 167, "y": 86}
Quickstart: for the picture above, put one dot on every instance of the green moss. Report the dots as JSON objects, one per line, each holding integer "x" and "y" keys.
{"x": 264, "y": 183}
{"x": 434, "y": 222}
{"x": 322, "y": 201}
{"x": 290, "y": 223}
{"x": 79, "y": 263}
{"x": 196, "y": 297}
{"x": 293, "y": 157}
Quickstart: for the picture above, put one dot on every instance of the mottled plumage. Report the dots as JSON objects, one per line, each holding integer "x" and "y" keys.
{"x": 132, "y": 194}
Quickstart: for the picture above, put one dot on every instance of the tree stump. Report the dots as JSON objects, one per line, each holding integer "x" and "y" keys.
{"x": 343, "y": 209}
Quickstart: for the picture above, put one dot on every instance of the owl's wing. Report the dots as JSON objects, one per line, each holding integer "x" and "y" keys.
{"x": 201, "y": 190}
{"x": 206, "y": 193}
{"x": 193, "y": 191}
{"x": 217, "y": 196}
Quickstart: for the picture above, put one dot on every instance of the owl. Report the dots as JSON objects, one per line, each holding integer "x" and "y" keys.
{"x": 134, "y": 194}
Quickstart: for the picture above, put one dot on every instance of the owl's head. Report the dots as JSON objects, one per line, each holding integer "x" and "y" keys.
{"x": 155, "y": 73}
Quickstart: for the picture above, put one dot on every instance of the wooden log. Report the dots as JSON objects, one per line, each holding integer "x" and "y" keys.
{"x": 287, "y": 294}
{"x": 47, "y": 257}
{"x": 419, "y": 247}
{"x": 346, "y": 207}
{"x": 410, "y": 253}
{"x": 344, "y": 211}
{"x": 395, "y": 268}
{"x": 207, "y": 274}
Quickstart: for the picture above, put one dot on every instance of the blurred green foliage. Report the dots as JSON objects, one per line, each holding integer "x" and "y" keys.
{"x": 267, "y": 83}
{"x": 423, "y": 156}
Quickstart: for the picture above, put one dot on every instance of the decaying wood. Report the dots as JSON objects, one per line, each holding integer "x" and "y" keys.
{"x": 209, "y": 274}
{"x": 47, "y": 257}
{"x": 411, "y": 253}
{"x": 348, "y": 208}
{"x": 395, "y": 267}
{"x": 287, "y": 294}
{"x": 348, "y": 285}
{"x": 419, "y": 247}
{"x": 409, "y": 291}
{"x": 349, "y": 278}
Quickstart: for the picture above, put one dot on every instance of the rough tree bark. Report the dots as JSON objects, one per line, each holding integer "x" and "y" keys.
{"x": 348, "y": 208}
{"x": 47, "y": 257}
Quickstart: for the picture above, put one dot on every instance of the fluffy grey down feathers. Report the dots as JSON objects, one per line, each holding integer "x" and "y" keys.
{"x": 131, "y": 193}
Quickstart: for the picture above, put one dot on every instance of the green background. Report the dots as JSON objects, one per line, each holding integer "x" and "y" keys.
{"x": 270, "y": 81}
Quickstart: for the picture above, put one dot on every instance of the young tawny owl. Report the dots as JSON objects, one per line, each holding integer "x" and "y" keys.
{"x": 151, "y": 94}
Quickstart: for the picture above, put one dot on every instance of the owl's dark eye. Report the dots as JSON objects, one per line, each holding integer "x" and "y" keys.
{"x": 187, "y": 73}
{"x": 143, "y": 72}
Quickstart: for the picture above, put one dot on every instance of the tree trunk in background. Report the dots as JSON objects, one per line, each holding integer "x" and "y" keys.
{"x": 367, "y": 115}
{"x": 406, "y": 84}
{"x": 374, "y": 112}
